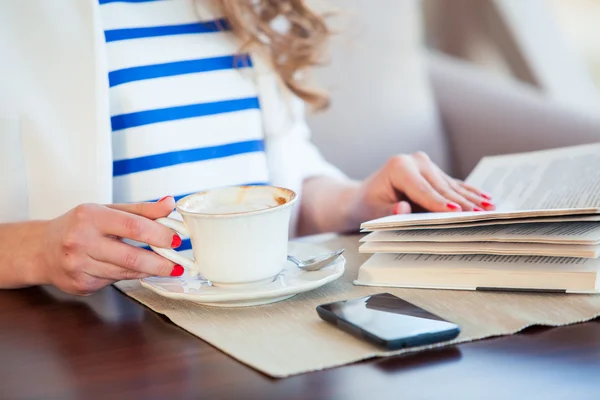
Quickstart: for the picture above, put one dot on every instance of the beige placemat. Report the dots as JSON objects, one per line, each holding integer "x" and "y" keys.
{"x": 288, "y": 338}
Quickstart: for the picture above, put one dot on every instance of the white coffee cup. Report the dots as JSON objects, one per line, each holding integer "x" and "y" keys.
{"x": 239, "y": 234}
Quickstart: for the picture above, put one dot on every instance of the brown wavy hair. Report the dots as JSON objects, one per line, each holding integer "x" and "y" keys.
{"x": 292, "y": 51}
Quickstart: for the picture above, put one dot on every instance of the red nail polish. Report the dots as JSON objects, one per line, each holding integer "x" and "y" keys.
{"x": 177, "y": 270}
{"x": 453, "y": 206}
{"x": 478, "y": 209}
{"x": 486, "y": 196}
{"x": 164, "y": 198}
{"x": 486, "y": 204}
{"x": 176, "y": 242}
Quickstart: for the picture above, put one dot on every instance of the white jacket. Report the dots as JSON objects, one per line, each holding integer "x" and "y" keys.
{"x": 55, "y": 149}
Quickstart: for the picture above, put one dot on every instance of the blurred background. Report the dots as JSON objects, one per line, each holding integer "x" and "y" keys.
{"x": 580, "y": 21}
{"x": 551, "y": 44}
{"x": 458, "y": 79}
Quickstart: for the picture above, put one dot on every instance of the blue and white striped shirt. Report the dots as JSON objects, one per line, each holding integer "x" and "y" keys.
{"x": 184, "y": 104}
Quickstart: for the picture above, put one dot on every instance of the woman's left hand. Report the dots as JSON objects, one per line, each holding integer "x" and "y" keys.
{"x": 413, "y": 182}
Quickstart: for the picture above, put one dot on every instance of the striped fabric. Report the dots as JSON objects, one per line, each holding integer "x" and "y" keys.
{"x": 184, "y": 108}
{"x": 185, "y": 114}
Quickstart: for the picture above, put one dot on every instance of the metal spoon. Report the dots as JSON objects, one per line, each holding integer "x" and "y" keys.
{"x": 316, "y": 263}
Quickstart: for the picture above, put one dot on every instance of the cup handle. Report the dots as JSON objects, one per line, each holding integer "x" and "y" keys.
{"x": 171, "y": 254}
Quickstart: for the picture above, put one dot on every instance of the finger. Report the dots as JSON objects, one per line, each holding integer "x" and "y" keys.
{"x": 476, "y": 197}
{"x": 481, "y": 202}
{"x": 123, "y": 224}
{"x": 82, "y": 283}
{"x": 134, "y": 259}
{"x": 486, "y": 199}
{"x": 406, "y": 177}
{"x": 402, "y": 207}
{"x": 482, "y": 198}
{"x": 161, "y": 208}
{"x": 111, "y": 272}
{"x": 438, "y": 180}
{"x": 474, "y": 190}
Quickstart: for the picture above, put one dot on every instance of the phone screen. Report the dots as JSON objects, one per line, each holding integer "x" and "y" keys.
{"x": 388, "y": 320}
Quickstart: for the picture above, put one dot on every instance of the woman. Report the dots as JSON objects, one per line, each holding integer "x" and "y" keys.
{"x": 197, "y": 94}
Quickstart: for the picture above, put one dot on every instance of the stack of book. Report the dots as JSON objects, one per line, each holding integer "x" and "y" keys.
{"x": 544, "y": 235}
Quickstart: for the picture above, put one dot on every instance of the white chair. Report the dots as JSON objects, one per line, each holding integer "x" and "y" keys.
{"x": 390, "y": 96}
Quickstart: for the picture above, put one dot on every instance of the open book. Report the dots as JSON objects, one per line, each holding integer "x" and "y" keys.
{"x": 559, "y": 239}
{"x": 560, "y": 183}
{"x": 482, "y": 272}
{"x": 553, "y": 233}
{"x": 526, "y": 249}
{"x": 544, "y": 235}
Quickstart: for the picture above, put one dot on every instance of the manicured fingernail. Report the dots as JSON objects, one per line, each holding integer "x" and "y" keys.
{"x": 478, "y": 209}
{"x": 486, "y": 196}
{"x": 177, "y": 270}
{"x": 176, "y": 242}
{"x": 486, "y": 204}
{"x": 164, "y": 198}
{"x": 453, "y": 206}
{"x": 397, "y": 208}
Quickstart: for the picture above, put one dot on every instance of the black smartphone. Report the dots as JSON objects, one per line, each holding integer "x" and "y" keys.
{"x": 388, "y": 321}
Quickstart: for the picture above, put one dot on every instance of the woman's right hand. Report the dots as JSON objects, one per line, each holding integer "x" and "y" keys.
{"x": 83, "y": 251}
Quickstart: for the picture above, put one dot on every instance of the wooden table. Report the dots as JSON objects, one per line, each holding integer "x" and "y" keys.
{"x": 54, "y": 345}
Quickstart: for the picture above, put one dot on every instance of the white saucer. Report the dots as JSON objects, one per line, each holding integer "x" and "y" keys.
{"x": 291, "y": 281}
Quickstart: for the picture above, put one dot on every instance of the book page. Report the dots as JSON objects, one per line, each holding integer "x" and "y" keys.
{"x": 474, "y": 272}
{"x": 551, "y": 233}
{"x": 559, "y": 178}
{"x": 422, "y": 219}
{"x": 547, "y": 183}
{"x": 527, "y": 249}
{"x": 482, "y": 261}
{"x": 532, "y": 220}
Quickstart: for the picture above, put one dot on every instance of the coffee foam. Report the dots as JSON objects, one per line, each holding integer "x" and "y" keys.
{"x": 235, "y": 200}
{"x": 208, "y": 205}
{"x": 207, "y": 208}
